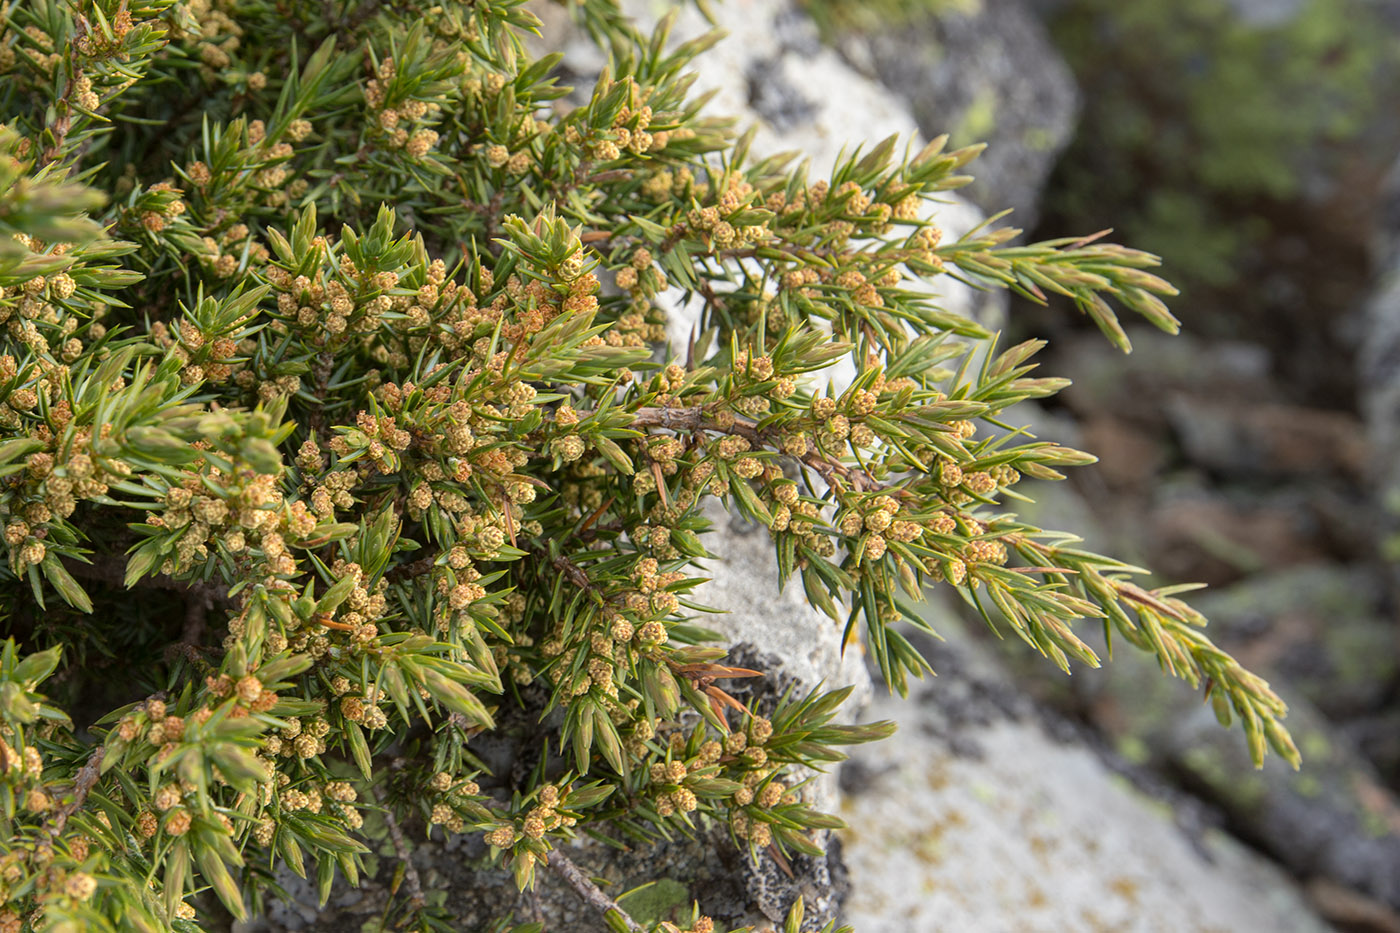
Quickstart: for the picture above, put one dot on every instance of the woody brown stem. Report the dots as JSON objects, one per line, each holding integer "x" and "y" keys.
{"x": 83, "y": 783}
{"x": 590, "y": 892}
{"x": 696, "y": 418}
{"x": 321, "y": 373}
{"x": 410, "y": 872}
{"x": 413, "y": 568}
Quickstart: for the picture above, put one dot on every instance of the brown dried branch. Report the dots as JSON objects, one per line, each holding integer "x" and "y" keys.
{"x": 573, "y": 572}
{"x": 64, "y": 122}
{"x": 413, "y": 568}
{"x": 321, "y": 376}
{"x": 83, "y": 783}
{"x": 696, "y": 418}
{"x": 590, "y": 892}
{"x": 410, "y": 872}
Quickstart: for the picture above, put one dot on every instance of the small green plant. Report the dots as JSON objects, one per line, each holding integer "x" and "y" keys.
{"x": 338, "y": 425}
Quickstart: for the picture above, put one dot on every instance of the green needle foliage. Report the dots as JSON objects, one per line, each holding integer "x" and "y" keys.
{"x": 337, "y": 425}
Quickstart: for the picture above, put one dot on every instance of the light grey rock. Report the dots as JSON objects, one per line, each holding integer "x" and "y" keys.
{"x": 979, "y": 816}
{"x": 1333, "y": 820}
{"x": 778, "y": 621}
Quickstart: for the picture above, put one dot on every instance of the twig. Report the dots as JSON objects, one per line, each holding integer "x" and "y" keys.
{"x": 413, "y": 568}
{"x": 573, "y": 573}
{"x": 590, "y": 892}
{"x": 64, "y": 123}
{"x": 321, "y": 372}
{"x": 410, "y": 873}
{"x": 83, "y": 783}
{"x": 698, "y": 419}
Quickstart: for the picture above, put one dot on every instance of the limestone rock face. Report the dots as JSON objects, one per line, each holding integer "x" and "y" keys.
{"x": 777, "y": 621}
{"x": 984, "y": 814}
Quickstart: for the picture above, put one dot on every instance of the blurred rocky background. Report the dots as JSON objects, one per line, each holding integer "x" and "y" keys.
{"x": 1252, "y": 144}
